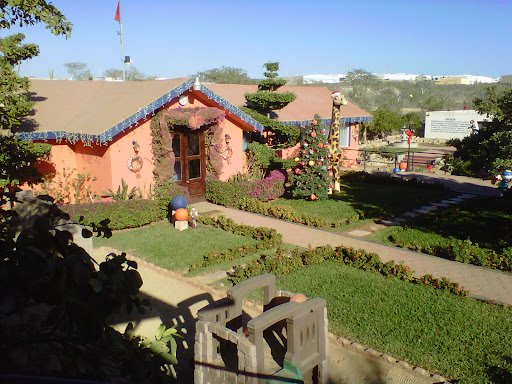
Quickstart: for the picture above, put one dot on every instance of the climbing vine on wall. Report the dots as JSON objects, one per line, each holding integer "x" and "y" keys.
{"x": 166, "y": 121}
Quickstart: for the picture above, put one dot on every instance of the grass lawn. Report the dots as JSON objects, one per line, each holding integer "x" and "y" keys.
{"x": 458, "y": 337}
{"x": 486, "y": 221}
{"x": 370, "y": 201}
{"x": 163, "y": 245}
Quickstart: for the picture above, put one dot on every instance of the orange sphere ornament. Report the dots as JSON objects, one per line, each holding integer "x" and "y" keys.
{"x": 313, "y": 197}
{"x": 313, "y": 134}
{"x": 299, "y": 298}
{"x": 315, "y": 122}
{"x": 181, "y": 214}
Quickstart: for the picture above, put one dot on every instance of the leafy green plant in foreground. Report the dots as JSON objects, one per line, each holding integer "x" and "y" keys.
{"x": 57, "y": 301}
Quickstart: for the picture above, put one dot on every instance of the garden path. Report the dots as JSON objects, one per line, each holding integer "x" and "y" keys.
{"x": 482, "y": 283}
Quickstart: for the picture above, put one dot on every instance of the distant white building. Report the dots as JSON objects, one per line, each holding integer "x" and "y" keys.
{"x": 464, "y": 79}
{"x": 326, "y": 79}
{"x": 399, "y": 76}
{"x": 452, "y": 124}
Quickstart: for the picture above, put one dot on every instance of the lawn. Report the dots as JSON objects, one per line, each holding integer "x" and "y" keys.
{"x": 458, "y": 337}
{"x": 163, "y": 245}
{"x": 368, "y": 200}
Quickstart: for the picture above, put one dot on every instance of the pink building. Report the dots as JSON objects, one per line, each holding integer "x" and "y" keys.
{"x": 104, "y": 128}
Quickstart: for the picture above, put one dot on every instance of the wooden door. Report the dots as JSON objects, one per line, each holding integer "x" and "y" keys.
{"x": 190, "y": 165}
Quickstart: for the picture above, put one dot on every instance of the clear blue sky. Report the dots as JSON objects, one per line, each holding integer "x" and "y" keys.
{"x": 168, "y": 38}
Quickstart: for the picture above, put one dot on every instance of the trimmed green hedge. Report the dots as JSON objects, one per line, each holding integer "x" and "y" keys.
{"x": 463, "y": 251}
{"x": 122, "y": 214}
{"x": 284, "y": 263}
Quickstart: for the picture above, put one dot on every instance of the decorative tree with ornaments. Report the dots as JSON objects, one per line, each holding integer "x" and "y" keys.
{"x": 310, "y": 177}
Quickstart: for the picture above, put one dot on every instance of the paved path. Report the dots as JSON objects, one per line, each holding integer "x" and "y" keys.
{"x": 480, "y": 282}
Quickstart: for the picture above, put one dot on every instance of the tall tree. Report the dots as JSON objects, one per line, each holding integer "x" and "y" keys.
{"x": 262, "y": 104}
{"x": 18, "y": 157}
{"x": 78, "y": 71}
{"x": 225, "y": 75}
{"x": 384, "y": 123}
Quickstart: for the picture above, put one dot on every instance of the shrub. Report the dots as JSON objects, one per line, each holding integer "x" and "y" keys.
{"x": 270, "y": 188}
{"x": 282, "y": 263}
{"x": 122, "y": 214}
{"x": 228, "y": 193}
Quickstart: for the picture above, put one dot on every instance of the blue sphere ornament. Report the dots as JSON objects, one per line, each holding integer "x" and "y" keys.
{"x": 178, "y": 202}
{"x": 396, "y": 170}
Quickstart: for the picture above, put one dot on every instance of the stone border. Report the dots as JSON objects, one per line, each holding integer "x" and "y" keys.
{"x": 402, "y": 364}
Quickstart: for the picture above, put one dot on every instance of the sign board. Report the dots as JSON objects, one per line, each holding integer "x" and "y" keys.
{"x": 452, "y": 124}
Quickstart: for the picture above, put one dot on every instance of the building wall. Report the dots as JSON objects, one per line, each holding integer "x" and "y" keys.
{"x": 350, "y": 152}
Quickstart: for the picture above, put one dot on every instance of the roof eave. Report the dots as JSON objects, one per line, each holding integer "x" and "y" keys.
{"x": 131, "y": 121}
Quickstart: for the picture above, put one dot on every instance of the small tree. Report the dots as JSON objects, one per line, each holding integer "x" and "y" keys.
{"x": 78, "y": 71}
{"x": 132, "y": 74}
{"x": 225, "y": 75}
{"x": 384, "y": 123}
{"x": 310, "y": 178}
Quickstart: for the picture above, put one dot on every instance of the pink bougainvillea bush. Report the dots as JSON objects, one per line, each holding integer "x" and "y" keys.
{"x": 228, "y": 193}
{"x": 270, "y": 188}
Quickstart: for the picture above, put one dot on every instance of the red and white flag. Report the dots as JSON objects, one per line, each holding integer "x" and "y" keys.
{"x": 118, "y": 12}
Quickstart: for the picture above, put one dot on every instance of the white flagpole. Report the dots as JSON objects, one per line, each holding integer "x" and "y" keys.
{"x": 122, "y": 44}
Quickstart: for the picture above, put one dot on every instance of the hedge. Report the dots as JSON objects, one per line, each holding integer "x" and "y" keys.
{"x": 122, "y": 214}
{"x": 283, "y": 263}
{"x": 464, "y": 251}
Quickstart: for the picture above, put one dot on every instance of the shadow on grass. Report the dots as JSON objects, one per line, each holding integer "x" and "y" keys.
{"x": 485, "y": 221}
{"x": 499, "y": 374}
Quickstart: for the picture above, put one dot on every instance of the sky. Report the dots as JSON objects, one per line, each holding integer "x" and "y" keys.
{"x": 170, "y": 39}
